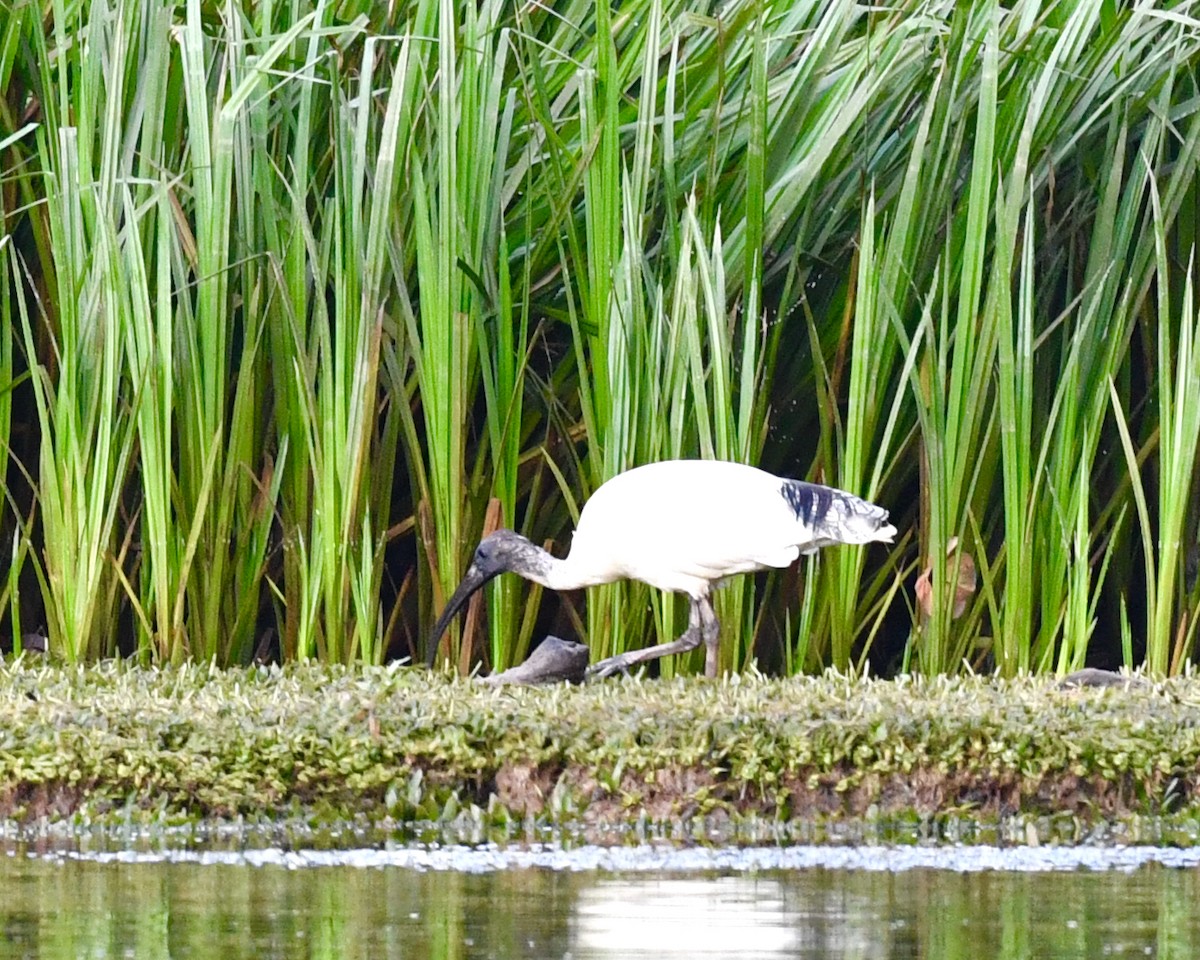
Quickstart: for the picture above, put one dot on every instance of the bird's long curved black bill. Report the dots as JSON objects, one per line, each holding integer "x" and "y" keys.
{"x": 472, "y": 580}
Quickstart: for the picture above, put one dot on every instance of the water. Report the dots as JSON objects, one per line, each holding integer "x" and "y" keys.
{"x": 861, "y": 903}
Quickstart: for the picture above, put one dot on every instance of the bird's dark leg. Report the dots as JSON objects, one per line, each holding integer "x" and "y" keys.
{"x": 702, "y": 627}
{"x": 712, "y": 636}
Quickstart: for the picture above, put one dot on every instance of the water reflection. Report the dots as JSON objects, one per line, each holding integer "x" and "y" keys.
{"x": 64, "y": 908}
{"x": 892, "y": 916}
{"x": 720, "y": 917}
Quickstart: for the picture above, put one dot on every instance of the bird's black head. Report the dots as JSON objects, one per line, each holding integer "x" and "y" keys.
{"x": 497, "y": 553}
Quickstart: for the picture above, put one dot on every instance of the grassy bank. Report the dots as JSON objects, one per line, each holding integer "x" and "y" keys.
{"x": 109, "y": 744}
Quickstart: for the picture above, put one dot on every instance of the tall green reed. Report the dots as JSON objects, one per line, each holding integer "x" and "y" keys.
{"x": 460, "y": 294}
{"x": 1170, "y": 623}
{"x": 337, "y": 345}
{"x": 86, "y": 428}
{"x": 1027, "y": 118}
{"x": 439, "y": 269}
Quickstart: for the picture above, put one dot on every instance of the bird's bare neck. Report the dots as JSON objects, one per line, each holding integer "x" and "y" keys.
{"x": 573, "y": 573}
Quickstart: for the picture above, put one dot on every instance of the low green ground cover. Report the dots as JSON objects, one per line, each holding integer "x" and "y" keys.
{"x": 113, "y": 743}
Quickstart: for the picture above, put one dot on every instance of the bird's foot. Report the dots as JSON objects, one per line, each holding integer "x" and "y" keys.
{"x": 606, "y": 668}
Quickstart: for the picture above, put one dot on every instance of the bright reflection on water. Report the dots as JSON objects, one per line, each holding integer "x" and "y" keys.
{"x": 718, "y": 917}
{"x": 65, "y": 907}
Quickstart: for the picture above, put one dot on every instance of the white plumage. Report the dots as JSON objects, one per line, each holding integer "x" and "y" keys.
{"x": 681, "y": 526}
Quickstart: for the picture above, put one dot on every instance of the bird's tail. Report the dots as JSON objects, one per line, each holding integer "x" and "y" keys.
{"x": 835, "y": 516}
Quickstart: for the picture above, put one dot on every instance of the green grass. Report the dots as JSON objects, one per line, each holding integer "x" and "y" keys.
{"x": 111, "y": 744}
{"x": 298, "y": 300}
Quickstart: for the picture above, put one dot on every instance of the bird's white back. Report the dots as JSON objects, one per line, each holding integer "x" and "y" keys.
{"x": 682, "y": 524}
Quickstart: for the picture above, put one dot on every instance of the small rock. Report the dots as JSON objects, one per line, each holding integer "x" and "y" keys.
{"x": 553, "y": 661}
{"x": 1092, "y": 677}
{"x": 30, "y": 643}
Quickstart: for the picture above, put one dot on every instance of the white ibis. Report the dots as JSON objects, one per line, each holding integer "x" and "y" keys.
{"x": 682, "y": 526}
